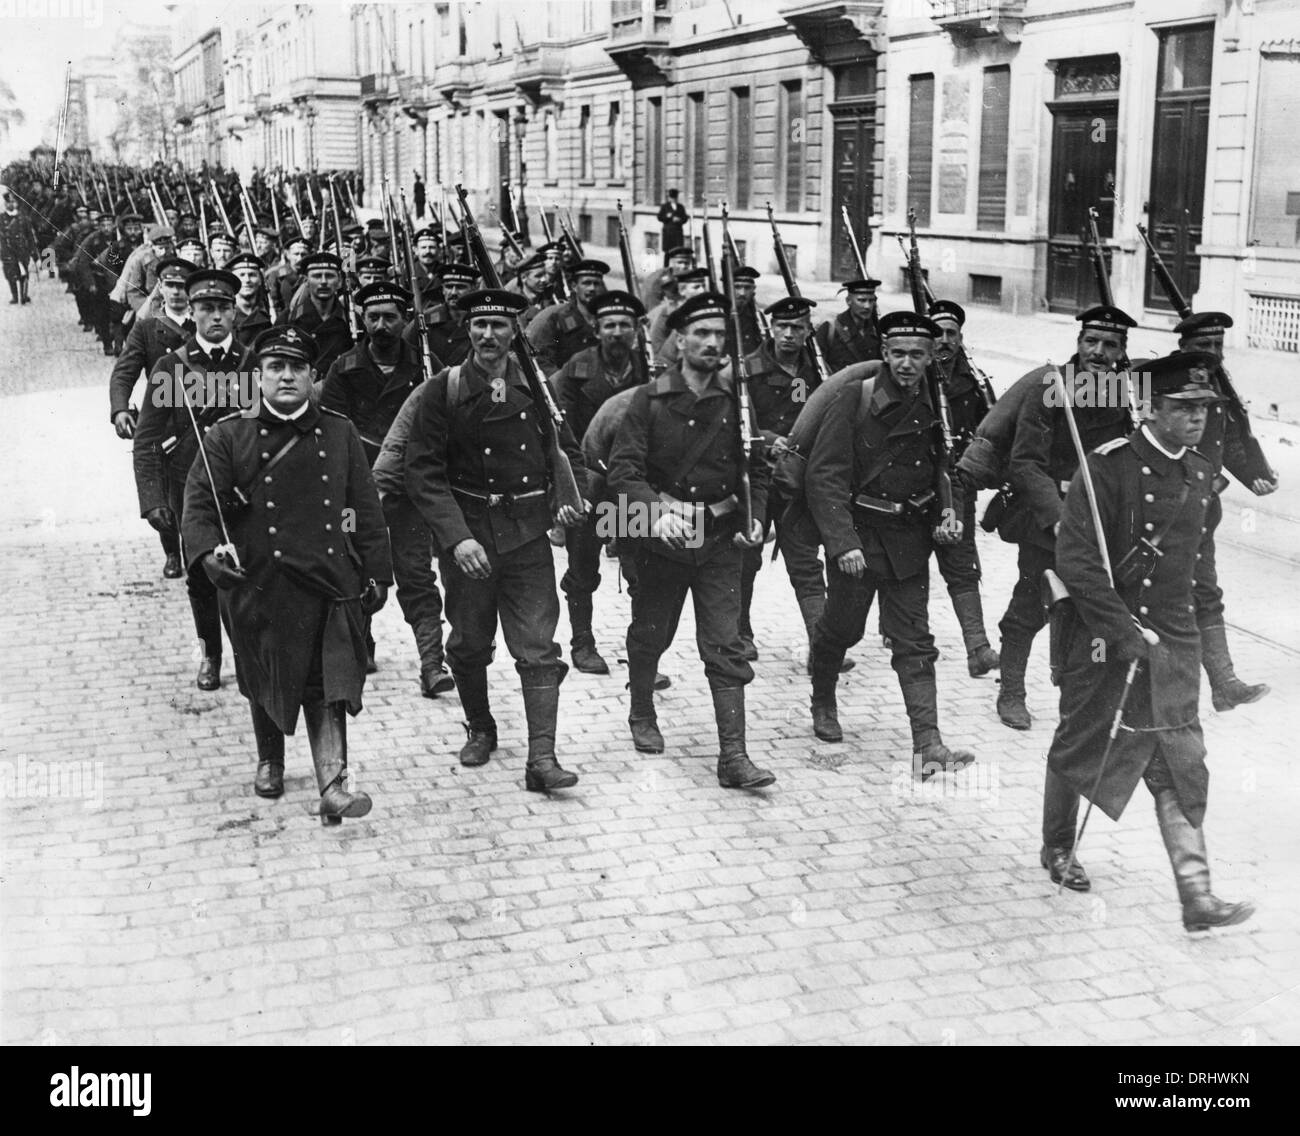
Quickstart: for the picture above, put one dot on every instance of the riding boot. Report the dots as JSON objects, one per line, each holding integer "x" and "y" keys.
{"x": 22, "y": 291}
{"x": 480, "y": 726}
{"x": 327, "y": 734}
{"x": 1060, "y": 822}
{"x": 735, "y": 770}
{"x": 541, "y": 708}
{"x": 641, "y": 714}
{"x": 207, "y": 626}
{"x": 929, "y": 754}
{"x": 1186, "y": 847}
{"x": 582, "y": 647}
{"x": 434, "y": 679}
{"x": 980, "y": 657}
{"x": 13, "y": 291}
{"x": 824, "y": 665}
{"x": 1011, "y": 696}
{"x": 269, "y": 781}
{"x": 1226, "y": 689}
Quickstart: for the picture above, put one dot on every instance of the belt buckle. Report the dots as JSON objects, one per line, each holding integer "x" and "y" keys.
{"x": 494, "y": 500}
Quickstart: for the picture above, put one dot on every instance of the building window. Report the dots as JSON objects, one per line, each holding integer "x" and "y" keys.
{"x": 1275, "y": 208}
{"x": 584, "y": 228}
{"x": 654, "y": 150}
{"x": 992, "y": 205}
{"x": 549, "y": 135}
{"x": 986, "y": 290}
{"x": 742, "y": 136}
{"x": 920, "y": 146}
{"x": 1186, "y": 56}
{"x": 617, "y": 172}
{"x": 586, "y": 132}
{"x": 611, "y": 232}
{"x": 790, "y": 145}
{"x": 696, "y": 142}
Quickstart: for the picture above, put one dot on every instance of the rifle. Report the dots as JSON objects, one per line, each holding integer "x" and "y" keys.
{"x": 1254, "y": 451}
{"x": 561, "y": 282}
{"x": 934, "y": 380}
{"x": 708, "y": 246}
{"x": 634, "y": 287}
{"x": 739, "y": 380}
{"x": 853, "y": 241}
{"x": 573, "y": 233}
{"x": 63, "y": 122}
{"x": 345, "y": 293}
{"x": 792, "y": 289}
{"x": 275, "y": 215}
{"x": 189, "y": 196}
{"x": 565, "y": 484}
{"x": 1095, "y": 254}
{"x": 567, "y": 233}
{"x": 729, "y": 249}
{"x": 203, "y": 227}
{"x": 417, "y": 294}
{"x": 221, "y": 210}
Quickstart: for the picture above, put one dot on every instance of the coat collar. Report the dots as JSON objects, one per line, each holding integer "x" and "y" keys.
{"x": 673, "y": 382}
{"x": 1154, "y": 456}
{"x": 890, "y": 399}
{"x": 304, "y": 423}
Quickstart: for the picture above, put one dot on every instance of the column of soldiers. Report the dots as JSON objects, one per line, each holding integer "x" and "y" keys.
{"x": 446, "y": 459}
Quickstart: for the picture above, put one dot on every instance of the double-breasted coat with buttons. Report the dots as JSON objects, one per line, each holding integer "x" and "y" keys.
{"x": 310, "y": 541}
{"x": 356, "y": 388}
{"x": 584, "y": 383}
{"x": 844, "y": 341}
{"x": 1140, "y": 491}
{"x": 331, "y": 333}
{"x": 558, "y": 333}
{"x": 777, "y": 395}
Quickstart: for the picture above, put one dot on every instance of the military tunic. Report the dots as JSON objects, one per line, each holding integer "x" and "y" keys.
{"x": 1140, "y": 490}
{"x": 559, "y": 333}
{"x": 959, "y": 564}
{"x": 844, "y": 341}
{"x": 356, "y": 388}
{"x": 331, "y": 332}
{"x": 311, "y": 540}
{"x": 448, "y": 337}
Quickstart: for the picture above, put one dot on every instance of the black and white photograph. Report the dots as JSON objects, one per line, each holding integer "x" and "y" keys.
{"x": 651, "y": 523}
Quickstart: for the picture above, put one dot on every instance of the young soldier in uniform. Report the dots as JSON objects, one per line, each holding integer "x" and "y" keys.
{"x": 1153, "y": 495}
{"x": 313, "y": 563}
{"x": 663, "y": 343}
{"x": 1225, "y": 444}
{"x": 531, "y": 283}
{"x": 959, "y": 564}
{"x": 283, "y": 279}
{"x": 870, "y": 486}
{"x": 582, "y": 385}
{"x": 151, "y": 337}
{"x": 477, "y": 471}
{"x": 678, "y": 459}
{"x": 1042, "y": 461}
{"x": 781, "y": 378}
{"x": 449, "y": 338}
{"x": 211, "y": 373}
{"x": 560, "y": 332}
{"x": 751, "y": 331}
{"x": 252, "y": 316}
{"x": 853, "y": 336}
{"x": 662, "y": 284}
{"x": 319, "y": 310}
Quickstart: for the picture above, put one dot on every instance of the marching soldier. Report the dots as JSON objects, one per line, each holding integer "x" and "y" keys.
{"x": 283, "y": 278}
{"x": 17, "y": 251}
{"x": 449, "y": 338}
{"x": 781, "y": 379}
{"x": 252, "y": 317}
{"x": 870, "y": 486}
{"x": 1152, "y": 574}
{"x": 678, "y": 459}
{"x": 663, "y": 343}
{"x": 151, "y": 337}
{"x": 560, "y": 332}
{"x": 531, "y": 282}
{"x": 319, "y": 310}
{"x": 663, "y": 283}
{"x": 1225, "y": 443}
{"x": 1040, "y": 467}
{"x": 582, "y": 385}
{"x": 477, "y": 472}
{"x": 959, "y": 563}
{"x": 207, "y": 374}
{"x": 312, "y": 563}
{"x": 853, "y": 336}
{"x": 751, "y": 331}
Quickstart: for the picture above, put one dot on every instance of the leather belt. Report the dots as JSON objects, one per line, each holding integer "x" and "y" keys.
{"x": 717, "y": 509}
{"x": 879, "y": 505}
{"x": 495, "y": 500}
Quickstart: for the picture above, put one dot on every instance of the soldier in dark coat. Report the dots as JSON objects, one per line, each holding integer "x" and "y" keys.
{"x": 1153, "y": 494}
{"x": 662, "y": 284}
{"x": 853, "y": 336}
{"x": 284, "y": 277}
{"x": 312, "y": 562}
{"x": 781, "y": 379}
{"x": 870, "y": 484}
{"x": 151, "y": 337}
{"x": 582, "y": 385}
{"x": 1042, "y": 462}
{"x": 445, "y": 320}
{"x": 674, "y": 473}
{"x": 751, "y": 327}
{"x": 969, "y": 400}
{"x": 252, "y": 315}
{"x": 17, "y": 251}
{"x": 560, "y": 332}
{"x": 320, "y": 311}
{"x": 477, "y": 470}
{"x": 1230, "y": 445}
{"x": 210, "y": 373}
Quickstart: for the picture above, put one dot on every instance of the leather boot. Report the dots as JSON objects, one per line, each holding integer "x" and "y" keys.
{"x": 371, "y": 665}
{"x": 434, "y": 677}
{"x": 269, "y": 781}
{"x": 1011, "y": 696}
{"x": 1060, "y": 822}
{"x": 22, "y": 291}
{"x": 327, "y": 734}
{"x": 929, "y": 754}
{"x": 209, "y": 676}
{"x": 13, "y": 291}
{"x": 825, "y": 669}
{"x": 480, "y": 726}
{"x": 980, "y": 657}
{"x": 641, "y": 714}
{"x": 735, "y": 770}
{"x": 172, "y": 569}
{"x": 582, "y": 647}
{"x": 207, "y": 626}
{"x": 1186, "y": 847}
{"x": 543, "y": 773}
{"x": 1226, "y": 689}
{"x": 810, "y": 607}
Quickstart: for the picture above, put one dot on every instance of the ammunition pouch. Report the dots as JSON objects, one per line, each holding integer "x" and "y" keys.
{"x": 1062, "y": 620}
{"x": 874, "y": 511}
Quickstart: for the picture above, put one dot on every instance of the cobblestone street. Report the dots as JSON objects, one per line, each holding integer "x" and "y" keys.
{"x": 149, "y": 897}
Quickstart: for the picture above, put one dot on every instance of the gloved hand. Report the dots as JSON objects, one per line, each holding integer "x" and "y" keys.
{"x": 162, "y": 519}
{"x": 124, "y": 424}
{"x": 222, "y": 573}
{"x": 374, "y": 597}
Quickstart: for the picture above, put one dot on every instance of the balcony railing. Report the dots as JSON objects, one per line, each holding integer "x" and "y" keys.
{"x": 636, "y": 19}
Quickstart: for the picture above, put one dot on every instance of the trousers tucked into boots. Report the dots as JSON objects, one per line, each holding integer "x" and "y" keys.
{"x": 270, "y": 753}
{"x": 1190, "y": 861}
{"x": 541, "y": 708}
{"x": 327, "y": 734}
{"x": 735, "y": 770}
{"x": 1226, "y": 689}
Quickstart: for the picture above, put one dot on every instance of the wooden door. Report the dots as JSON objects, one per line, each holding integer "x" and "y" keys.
{"x": 1083, "y": 175}
{"x": 853, "y": 141}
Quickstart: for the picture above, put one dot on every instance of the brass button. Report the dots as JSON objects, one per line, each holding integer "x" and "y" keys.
{"x": 277, "y": 554}
{"x": 487, "y": 450}
{"x": 271, "y": 505}
{"x": 329, "y": 528}
{"x": 329, "y": 552}
{"x": 1145, "y": 583}
{"x": 1200, "y": 476}
{"x": 324, "y": 476}
{"x": 318, "y": 431}
{"x": 1146, "y": 469}
{"x": 1149, "y": 526}
{"x": 266, "y": 457}
{"x": 1149, "y": 497}
{"x": 523, "y": 445}
{"x": 271, "y": 531}
{"x": 525, "y": 479}
{"x": 691, "y": 422}
{"x": 322, "y": 453}
{"x": 263, "y": 431}
{"x": 267, "y": 479}
{"x": 523, "y": 414}
{"x": 1143, "y": 610}
{"x": 326, "y": 501}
